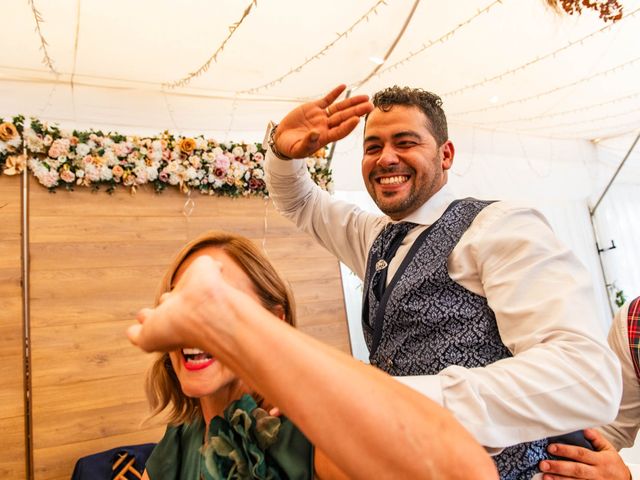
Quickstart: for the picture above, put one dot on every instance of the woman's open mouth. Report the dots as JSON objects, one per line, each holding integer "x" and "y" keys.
{"x": 196, "y": 359}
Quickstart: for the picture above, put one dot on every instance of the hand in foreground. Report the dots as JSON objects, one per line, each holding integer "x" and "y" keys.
{"x": 603, "y": 464}
{"x": 177, "y": 321}
{"x": 313, "y": 125}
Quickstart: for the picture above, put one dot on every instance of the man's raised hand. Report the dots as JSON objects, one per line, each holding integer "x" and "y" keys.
{"x": 314, "y": 125}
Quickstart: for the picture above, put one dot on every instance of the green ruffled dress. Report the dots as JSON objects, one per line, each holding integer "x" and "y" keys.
{"x": 246, "y": 444}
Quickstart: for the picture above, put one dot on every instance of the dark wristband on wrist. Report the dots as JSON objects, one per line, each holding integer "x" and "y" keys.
{"x": 272, "y": 144}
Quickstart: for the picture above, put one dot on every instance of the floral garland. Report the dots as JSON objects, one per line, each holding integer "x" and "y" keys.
{"x": 91, "y": 158}
{"x": 608, "y": 10}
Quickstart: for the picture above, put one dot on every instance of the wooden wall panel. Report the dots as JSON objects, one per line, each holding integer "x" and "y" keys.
{"x": 12, "y": 421}
{"x": 95, "y": 260}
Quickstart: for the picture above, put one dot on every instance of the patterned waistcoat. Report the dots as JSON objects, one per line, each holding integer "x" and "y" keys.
{"x": 425, "y": 322}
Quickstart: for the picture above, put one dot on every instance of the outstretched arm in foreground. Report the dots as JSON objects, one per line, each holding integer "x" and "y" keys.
{"x": 603, "y": 464}
{"x": 370, "y": 425}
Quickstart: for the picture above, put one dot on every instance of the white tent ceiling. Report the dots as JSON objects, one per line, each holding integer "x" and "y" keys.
{"x": 510, "y": 65}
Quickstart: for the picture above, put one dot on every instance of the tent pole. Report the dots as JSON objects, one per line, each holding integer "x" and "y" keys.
{"x": 26, "y": 325}
{"x": 593, "y": 210}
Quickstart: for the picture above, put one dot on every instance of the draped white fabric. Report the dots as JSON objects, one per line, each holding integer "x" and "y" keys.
{"x": 618, "y": 219}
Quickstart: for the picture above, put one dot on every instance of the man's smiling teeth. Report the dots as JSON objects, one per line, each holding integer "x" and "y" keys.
{"x": 393, "y": 180}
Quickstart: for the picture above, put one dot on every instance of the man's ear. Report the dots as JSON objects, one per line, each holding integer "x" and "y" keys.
{"x": 278, "y": 311}
{"x": 448, "y": 152}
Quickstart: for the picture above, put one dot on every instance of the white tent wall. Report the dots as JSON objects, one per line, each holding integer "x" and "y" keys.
{"x": 617, "y": 218}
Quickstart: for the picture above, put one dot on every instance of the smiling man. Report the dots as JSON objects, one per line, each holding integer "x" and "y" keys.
{"x": 475, "y": 304}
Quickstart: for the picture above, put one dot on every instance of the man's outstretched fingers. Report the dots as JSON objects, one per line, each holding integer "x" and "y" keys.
{"x": 342, "y": 130}
{"x": 330, "y": 97}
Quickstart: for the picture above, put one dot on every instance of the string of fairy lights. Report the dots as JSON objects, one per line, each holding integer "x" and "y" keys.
{"x": 214, "y": 57}
{"x": 586, "y": 108}
{"x": 322, "y": 51}
{"x": 539, "y": 95}
{"x": 540, "y": 58}
{"x": 600, "y": 119}
{"x": 439, "y": 40}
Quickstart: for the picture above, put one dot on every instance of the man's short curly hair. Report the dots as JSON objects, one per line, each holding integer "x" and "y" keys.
{"x": 429, "y": 103}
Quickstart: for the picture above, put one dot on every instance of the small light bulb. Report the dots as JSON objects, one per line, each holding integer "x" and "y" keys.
{"x": 494, "y": 99}
{"x": 377, "y": 60}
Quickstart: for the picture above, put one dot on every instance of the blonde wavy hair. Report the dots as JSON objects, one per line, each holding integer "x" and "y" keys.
{"x": 162, "y": 385}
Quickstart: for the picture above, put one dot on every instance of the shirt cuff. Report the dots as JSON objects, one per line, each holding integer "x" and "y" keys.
{"x": 430, "y": 386}
{"x": 282, "y": 167}
{"x": 427, "y": 385}
{"x": 635, "y": 471}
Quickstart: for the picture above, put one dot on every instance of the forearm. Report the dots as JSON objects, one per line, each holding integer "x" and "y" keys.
{"x": 340, "y": 227}
{"x": 368, "y": 424}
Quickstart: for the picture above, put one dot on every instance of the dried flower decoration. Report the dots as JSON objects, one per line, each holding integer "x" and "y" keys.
{"x": 608, "y": 10}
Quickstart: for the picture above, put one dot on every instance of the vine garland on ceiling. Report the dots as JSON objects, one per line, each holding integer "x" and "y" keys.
{"x": 213, "y": 58}
{"x": 319, "y": 53}
{"x": 90, "y": 158}
{"x": 553, "y": 90}
{"x": 535, "y": 60}
{"x": 608, "y": 10}
{"x": 46, "y": 59}
{"x": 441, "y": 39}
{"x": 568, "y": 112}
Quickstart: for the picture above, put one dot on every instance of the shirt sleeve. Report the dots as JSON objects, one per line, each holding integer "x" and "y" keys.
{"x": 562, "y": 376}
{"x": 623, "y": 430}
{"x": 340, "y": 227}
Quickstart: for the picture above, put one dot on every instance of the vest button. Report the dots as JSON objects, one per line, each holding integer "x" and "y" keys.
{"x": 389, "y": 362}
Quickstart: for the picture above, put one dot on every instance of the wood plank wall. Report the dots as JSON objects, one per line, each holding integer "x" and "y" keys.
{"x": 95, "y": 260}
{"x": 12, "y": 438}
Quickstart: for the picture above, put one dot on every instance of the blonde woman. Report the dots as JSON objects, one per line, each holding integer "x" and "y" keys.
{"x": 210, "y": 410}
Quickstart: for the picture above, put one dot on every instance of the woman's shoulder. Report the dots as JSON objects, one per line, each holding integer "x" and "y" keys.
{"x": 179, "y": 446}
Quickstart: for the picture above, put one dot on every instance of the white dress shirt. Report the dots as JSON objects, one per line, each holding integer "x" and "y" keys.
{"x": 562, "y": 377}
{"x": 622, "y": 432}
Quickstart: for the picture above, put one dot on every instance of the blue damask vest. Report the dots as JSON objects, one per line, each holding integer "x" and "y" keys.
{"x": 425, "y": 322}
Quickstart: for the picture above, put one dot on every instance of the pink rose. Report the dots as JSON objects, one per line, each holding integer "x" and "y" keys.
{"x": 117, "y": 171}
{"x": 67, "y": 176}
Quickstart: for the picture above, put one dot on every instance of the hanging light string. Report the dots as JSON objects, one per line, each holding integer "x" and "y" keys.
{"x": 531, "y": 62}
{"x": 321, "y": 52}
{"x": 589, "y": 120}
{"x": 75, "y": 58}
{"x": 567, "y": 112}
{"x": 526, "y": 157}
{"x": 213, "y": 58}
{"x": 170, "y": 112}
{"x": 631, "y": 126}
{"x": 505, "y": 130}
{"x": 391, "y": 48}
{"x": 232, "y": 118}
{"x": 442, "y": 39}
{"x": 553, "y": 90}
{"x": 46, "y": 59}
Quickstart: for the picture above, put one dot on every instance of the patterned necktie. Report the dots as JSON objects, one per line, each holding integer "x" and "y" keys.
{"x": 390, "y": 240}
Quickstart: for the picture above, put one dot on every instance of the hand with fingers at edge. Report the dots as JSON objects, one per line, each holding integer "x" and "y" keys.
{"x": 603, "y": 464}
{"x": 315, "y": 124}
